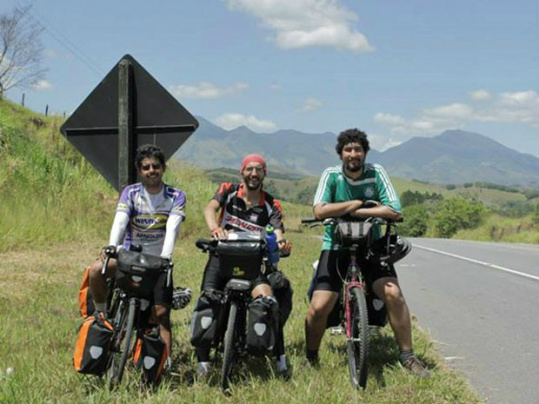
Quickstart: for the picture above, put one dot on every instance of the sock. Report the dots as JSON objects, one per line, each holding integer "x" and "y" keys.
{"x": 281, "y": 363}
{"x": 405, "y": 355}
{"x": 203, "y": 368}
{"x": 102, "y": 307}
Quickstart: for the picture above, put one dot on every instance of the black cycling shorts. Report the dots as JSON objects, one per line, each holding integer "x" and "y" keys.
{"x": 162, "y": 294}
{"x": 213, "y": 278}
{"x": 332, "y": 267}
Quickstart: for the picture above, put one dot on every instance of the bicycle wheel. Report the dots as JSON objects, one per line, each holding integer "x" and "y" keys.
{"x": 229, "y": 353}
{"x": 122, "y": 342}
{"x": 358, "y": 341}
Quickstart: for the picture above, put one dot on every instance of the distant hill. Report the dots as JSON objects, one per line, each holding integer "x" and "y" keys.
{"x": 454, "y": 157}
{"x": 458, "y": 157}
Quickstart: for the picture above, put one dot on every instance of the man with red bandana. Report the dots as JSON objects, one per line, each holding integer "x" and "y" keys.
{"x": 243, "y": 207}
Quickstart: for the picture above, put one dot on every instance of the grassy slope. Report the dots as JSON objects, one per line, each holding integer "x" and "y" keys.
{"x": 55, "y": 224}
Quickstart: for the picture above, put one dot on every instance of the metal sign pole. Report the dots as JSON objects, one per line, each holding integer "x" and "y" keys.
{"x": 126, "y": 138}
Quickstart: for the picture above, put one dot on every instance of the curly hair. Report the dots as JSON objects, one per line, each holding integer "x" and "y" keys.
{"x": 149, "y": 151}
{"x": 352, "y": 136}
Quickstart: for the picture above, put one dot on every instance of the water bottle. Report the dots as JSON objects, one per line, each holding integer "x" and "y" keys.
{"x": 273, "y": 248}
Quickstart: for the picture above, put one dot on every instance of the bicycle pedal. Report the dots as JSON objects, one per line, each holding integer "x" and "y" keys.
{"x": 336, "y": 330}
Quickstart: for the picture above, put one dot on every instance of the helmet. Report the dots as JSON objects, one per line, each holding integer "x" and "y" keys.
{"x": 397, "y": 250}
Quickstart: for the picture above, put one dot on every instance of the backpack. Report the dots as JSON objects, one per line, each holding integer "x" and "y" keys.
{"x": 150, "y": 355}
{"x": 205, "y": 320}
{"x": 93, "y": 345}
{"x": 262, "y": 325}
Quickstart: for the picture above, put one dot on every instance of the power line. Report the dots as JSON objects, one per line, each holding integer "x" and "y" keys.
{"x": 70, "y": 46}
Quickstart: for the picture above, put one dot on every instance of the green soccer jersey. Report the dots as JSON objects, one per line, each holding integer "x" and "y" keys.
{"x": 373, "y": 184}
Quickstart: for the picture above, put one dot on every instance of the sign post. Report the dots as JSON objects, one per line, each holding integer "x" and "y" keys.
{"x": 126, "y": 147}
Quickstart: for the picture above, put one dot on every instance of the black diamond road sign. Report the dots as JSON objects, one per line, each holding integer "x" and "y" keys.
{"x": 157, "y": 118}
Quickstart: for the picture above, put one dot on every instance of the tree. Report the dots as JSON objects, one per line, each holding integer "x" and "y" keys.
{"x": 21, "y": 50}
{"x": 455, "y": 214}
{"x": 415, "y": 222}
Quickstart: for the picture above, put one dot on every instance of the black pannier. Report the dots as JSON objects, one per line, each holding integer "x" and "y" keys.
{"x": 150, "y": 355}
{"x": 205, "y": 320}
{"x": 93, "y": 345}
{"x": 282, "y": 290}
{"x": 262, "y": 325}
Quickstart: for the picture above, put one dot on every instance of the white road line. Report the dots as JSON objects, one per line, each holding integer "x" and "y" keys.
{"x": 511, "y": 271}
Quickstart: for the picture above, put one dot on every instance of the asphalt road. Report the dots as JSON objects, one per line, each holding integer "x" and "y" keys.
{"x": 480, "y": 303}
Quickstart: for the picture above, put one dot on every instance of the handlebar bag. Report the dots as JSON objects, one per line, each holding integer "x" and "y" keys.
{"x": 360, "y": 234}
{"x": 240, "y": 259}
{"x": 137, "y": 272}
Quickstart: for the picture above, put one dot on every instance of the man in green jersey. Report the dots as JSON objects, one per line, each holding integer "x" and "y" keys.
{"x": 342, "y": 191}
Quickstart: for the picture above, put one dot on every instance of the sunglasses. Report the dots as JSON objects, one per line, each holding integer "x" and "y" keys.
{"x": 146, "y": 167}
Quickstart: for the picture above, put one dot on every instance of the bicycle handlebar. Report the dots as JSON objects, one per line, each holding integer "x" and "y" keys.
{"x": 210, "y": 245}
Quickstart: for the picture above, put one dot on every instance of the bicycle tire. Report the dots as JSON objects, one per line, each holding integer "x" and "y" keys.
{"x": 123, "y": 344}
{"x": 358, "y": 342}
{"x": 229, "y": 354}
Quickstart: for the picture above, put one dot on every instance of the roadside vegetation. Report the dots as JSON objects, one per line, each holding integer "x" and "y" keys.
{"x": 55, "y": 214}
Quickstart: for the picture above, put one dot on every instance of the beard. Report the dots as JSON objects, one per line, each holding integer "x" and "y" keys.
{"x": 251, "y": 187}
{"x": 354, "y": 168}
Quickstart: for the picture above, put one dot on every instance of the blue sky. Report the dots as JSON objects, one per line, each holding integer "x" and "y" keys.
{"x": 395, "y": 69}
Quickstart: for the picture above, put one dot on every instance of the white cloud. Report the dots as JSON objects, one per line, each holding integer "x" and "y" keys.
{"x": 311, "y": 104}
{"x": 479, "y": 95}
{"x": 452, "y": 111}
{"x": 518, "y": 107}
{"x": 230, "y": 121}
{"x": 381, "y": 143}
{"x": 42, "y": 85}
{"x": 388, "y": 119}
{"x": 206, "y": 89}
{"x": 305, "y": 23}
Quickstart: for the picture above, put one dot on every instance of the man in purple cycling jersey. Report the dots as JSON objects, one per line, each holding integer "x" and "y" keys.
{"x": 149, "y": 214}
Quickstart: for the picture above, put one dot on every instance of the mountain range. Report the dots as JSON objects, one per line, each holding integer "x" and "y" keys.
{"x": 453, "y": 157}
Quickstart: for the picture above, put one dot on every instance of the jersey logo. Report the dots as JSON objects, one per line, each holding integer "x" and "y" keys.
{"x": 146, "y": 222}
{"x": 240, "y": 224}
{"x": 369, "y": 192}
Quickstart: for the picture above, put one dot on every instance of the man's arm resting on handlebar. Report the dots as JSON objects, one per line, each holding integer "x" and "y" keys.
{"x": 382, "y": 211}
{"x": 324, "y": 210}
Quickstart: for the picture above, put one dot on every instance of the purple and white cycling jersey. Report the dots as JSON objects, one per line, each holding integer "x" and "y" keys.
{"x": 150, "y": 220}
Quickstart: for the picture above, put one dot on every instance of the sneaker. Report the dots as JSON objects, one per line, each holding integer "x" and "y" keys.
{"x": 313, "y": 363}
{"x": 181, "y": 298}
{"x": 285, "y": 374}
{"x": 338, "y": 330}
{"x": 203, "y": 370}
{"x": 417, "y": 367}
